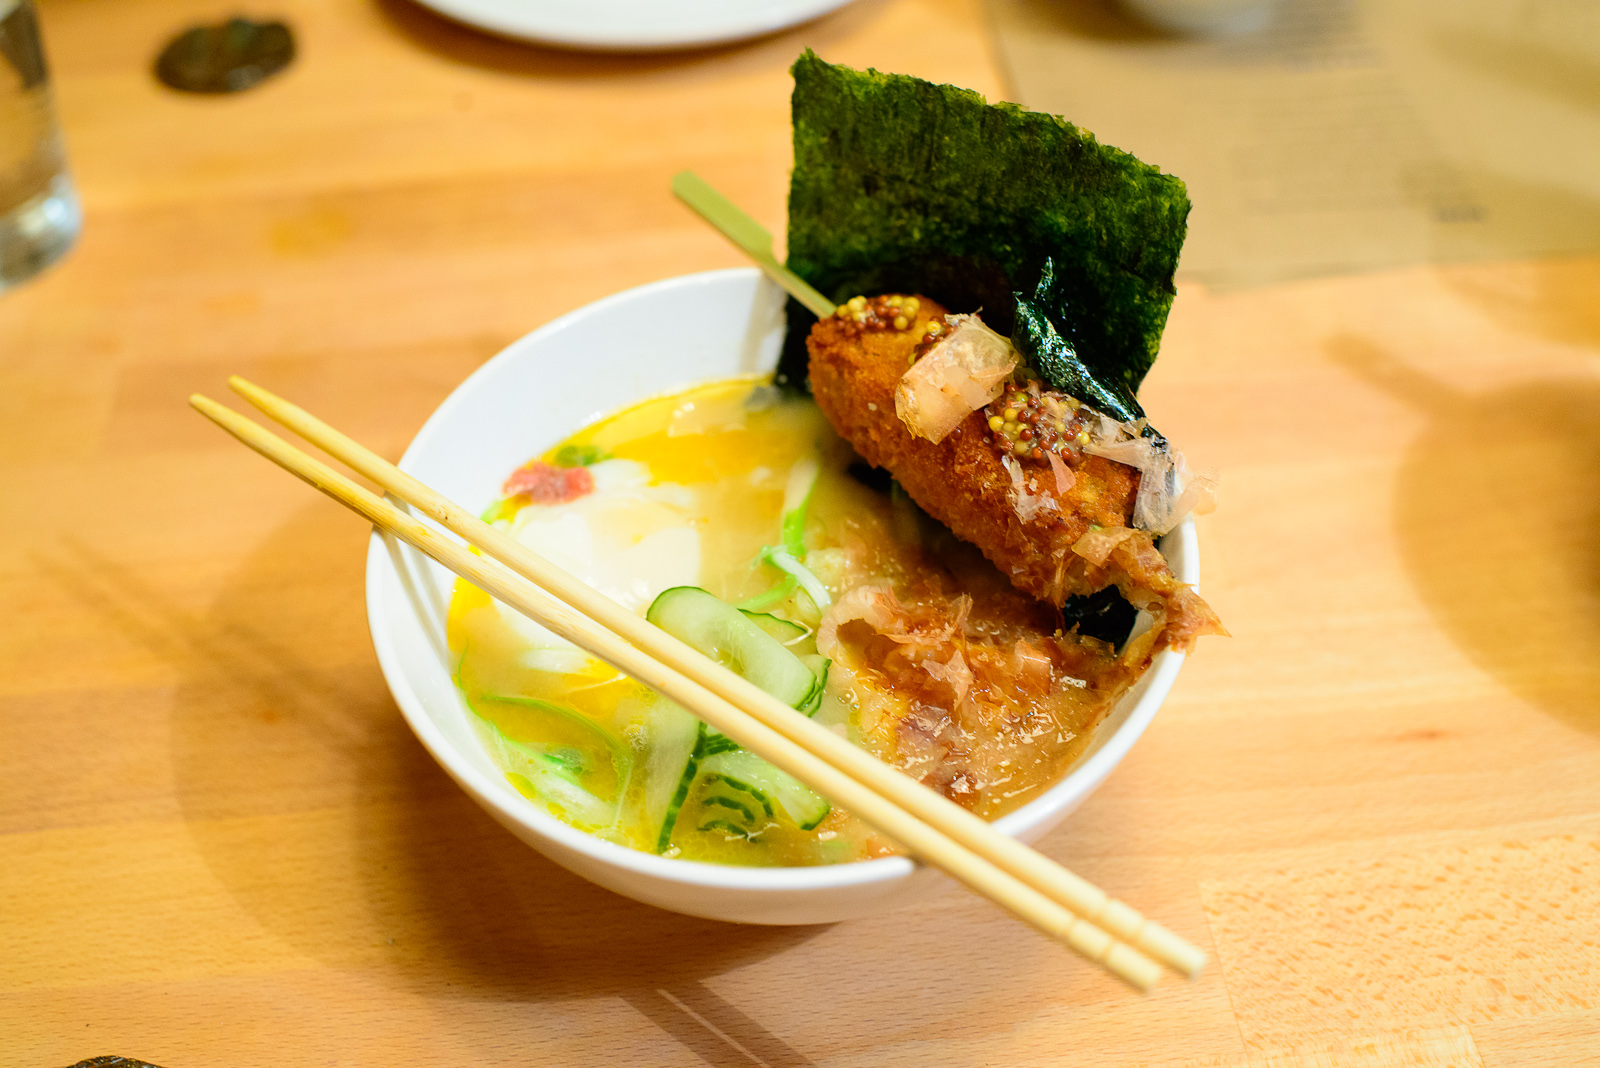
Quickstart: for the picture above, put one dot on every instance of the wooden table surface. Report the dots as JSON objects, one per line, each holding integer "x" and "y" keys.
{"x": 1376, "y": 804}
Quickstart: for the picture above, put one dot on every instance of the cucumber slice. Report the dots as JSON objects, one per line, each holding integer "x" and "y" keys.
{"x": 730, "y": 802}
{"x": 748, "y": 647}
{"x": 553, "y": 789}
{"x": 546, "y": 778}
{"x": 781, "y": 630}
{"x": 705, "y": 739}
{"x": 674, "y": 736}
{"x": 801, "y": 804}
{"x": 550, "y": 774}
{"x": 716, "y": 742}
{"x": 723, "y": 802}
{"x": 621, "y": 755}
{"x": 728, "y": 636}
{"x": 736, "y": 793}
{"x": 818, "y": 665}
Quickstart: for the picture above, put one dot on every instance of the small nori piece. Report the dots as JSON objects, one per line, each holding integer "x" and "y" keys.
{"x": 225, "y": 59}
{"x": 112, "y": 1062}
{"x": 901, "y": 185}
{"x": 1104, "y": 614}
{"x": 1056, "y": 358}
{"x": 874, "y": 478}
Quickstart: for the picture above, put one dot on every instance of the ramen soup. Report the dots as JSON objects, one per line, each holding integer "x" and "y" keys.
{"x": 736, "y": 519}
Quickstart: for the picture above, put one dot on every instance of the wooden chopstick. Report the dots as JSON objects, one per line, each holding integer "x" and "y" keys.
{"x": 925, "y": 841}
{"x": 971, "y": 831}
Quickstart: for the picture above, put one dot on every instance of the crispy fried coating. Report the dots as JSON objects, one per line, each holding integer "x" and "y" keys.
{"x": 962, "y": 483}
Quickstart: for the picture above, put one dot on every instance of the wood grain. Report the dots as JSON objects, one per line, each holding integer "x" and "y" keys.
{"x": 219, "y": 844}
{"x": 1452, "y": 1048}
{"x": 1465, "y": 934}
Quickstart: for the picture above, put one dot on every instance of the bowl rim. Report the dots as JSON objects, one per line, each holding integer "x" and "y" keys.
{"x": 511, "y": 808}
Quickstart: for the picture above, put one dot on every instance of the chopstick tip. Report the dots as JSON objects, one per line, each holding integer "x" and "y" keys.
{"x": 220, "y": 414}
{"x": 1133, "y": 967}
{"x": 1181, "y": 955}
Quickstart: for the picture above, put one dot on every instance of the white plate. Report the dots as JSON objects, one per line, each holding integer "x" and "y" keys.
{"x": 639, "y": 343}
{"x": 633, "y": 25}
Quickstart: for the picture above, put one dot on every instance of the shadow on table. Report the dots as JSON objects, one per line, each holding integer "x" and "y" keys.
{"x": 332, "y": 827}
{"x": 1528, "y": 65}
{"x": 1550, "y": 298}
{"x": 314, "y": 807}
{"x": 465, "y": 45}
{"x": 1498, "y": 516}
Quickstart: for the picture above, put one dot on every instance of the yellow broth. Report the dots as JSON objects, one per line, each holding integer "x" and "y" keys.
{"x": 689, "y": 489}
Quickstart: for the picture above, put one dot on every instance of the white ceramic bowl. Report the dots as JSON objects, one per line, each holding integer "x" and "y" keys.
{"x": 642, "y": 342}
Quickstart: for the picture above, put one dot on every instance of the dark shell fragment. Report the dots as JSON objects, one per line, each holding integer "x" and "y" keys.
{"x": 227, "y": 58}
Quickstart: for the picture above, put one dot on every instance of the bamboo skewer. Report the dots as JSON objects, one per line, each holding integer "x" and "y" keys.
{"x": 924, "y": 840}
{"x": 751, "y": 237}
{"x": 965, "y": 827}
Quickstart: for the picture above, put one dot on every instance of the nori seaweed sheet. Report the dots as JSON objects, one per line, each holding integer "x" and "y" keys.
{"x": 901, "y": 185}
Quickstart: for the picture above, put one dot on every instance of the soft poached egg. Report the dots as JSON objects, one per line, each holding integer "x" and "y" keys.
{"x": 628, "y": 539}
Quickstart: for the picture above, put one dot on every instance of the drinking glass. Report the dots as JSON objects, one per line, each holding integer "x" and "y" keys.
{"x": 39, "y": 214}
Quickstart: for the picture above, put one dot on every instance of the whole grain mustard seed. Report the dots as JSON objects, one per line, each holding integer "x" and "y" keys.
{"x": 1030, "y": 423}
{"x": 901, "y": 322}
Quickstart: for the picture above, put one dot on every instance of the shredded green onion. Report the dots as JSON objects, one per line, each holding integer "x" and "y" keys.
{"x": 813, "y": 586}
{"x": 796, "y": 500}
{"x": 780, "y": 592}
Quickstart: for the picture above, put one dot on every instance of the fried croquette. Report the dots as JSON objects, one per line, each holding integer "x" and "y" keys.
{"x": 1012, "y": 478}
